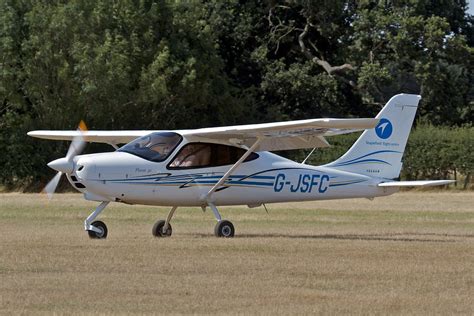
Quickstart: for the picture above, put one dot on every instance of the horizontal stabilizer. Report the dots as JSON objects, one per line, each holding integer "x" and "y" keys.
{"x": 422, "y": 183}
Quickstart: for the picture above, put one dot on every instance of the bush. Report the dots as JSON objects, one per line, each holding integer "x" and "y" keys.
{"x": 439, "y": 152}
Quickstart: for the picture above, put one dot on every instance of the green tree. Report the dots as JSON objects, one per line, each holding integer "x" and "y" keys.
{"x": 154, "y": 64}
{"x": 374, "y": 49}
{"x": 117, "y": 65}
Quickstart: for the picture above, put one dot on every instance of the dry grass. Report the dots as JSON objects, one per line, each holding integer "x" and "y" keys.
{"x": 411, "y": 253}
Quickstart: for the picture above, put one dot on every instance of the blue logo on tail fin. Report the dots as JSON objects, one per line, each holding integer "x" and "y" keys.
{"x": 384, "y": 129}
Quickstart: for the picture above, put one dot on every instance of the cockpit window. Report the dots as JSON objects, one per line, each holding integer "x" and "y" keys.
{"x": 155, "y": 146}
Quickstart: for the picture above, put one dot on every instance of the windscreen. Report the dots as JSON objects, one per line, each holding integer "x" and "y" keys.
{"x": 154, "y": 147}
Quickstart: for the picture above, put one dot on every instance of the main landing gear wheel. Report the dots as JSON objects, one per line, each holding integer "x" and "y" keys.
{"x": 98, "y": 235}
{"x": 158, "y": 229}
{"x": 224, "y": 229}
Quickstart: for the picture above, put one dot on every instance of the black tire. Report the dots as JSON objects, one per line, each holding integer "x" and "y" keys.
{"x": 224, "y": 229}
{"x": 157, "y": 230}
{"x": 100, "y": 225}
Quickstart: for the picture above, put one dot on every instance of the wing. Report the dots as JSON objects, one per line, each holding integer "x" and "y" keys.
{"x": 285, "y": 135}
{"x": 108, "y": 137}
{"x": 274, "y": 136}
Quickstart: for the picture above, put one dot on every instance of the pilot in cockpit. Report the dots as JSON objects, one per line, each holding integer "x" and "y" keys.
{"x": 192, "y": 155}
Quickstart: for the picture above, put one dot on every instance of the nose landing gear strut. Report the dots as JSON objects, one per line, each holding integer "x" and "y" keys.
{"x": 97, "y": 229}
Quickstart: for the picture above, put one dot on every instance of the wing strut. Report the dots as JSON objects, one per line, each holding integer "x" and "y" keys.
{"x": 309, "y": 155}
{"x": 229, "y": 172}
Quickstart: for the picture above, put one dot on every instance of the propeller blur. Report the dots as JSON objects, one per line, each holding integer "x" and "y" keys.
{"x": 66, "y": 164}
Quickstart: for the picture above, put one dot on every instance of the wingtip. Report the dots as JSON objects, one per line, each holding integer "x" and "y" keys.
{"x": 82, "y": 126}
{"x": 36, "y": 134}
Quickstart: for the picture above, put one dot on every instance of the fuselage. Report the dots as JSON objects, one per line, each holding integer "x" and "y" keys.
{"x": 267, "y": 178}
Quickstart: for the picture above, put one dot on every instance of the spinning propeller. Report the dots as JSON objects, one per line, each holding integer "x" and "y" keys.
{"x": 66, "y": 164}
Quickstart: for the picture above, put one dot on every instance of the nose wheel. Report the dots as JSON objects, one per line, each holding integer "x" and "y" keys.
{"x": 97, "y": 229}
{"x": 100, "y": 231}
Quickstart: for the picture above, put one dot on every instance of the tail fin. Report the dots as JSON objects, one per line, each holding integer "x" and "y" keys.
{"x": 378, "y": 152}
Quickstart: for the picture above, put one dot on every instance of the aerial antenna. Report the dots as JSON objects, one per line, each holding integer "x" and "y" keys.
{"x": 312, "y": 151}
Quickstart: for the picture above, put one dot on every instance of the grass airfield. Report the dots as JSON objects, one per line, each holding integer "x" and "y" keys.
{"x": 409, "y": 253}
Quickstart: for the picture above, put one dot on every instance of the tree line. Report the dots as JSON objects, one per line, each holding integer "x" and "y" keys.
{"x": 145, "y": 64}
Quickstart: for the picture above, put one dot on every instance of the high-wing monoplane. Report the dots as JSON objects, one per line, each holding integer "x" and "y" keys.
{"x": 233, "y": 165}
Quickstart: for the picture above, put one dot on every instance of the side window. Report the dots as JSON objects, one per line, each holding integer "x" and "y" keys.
{"x": 192, "y": 155}
{"x": 200, "y": 155}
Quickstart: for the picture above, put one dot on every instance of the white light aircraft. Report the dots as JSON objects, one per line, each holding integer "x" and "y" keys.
{"x": 233, "y": 165}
